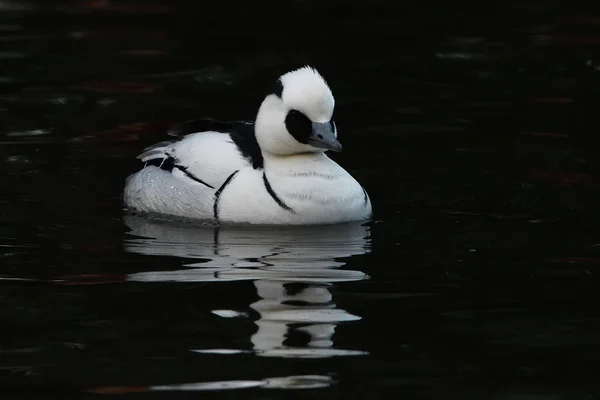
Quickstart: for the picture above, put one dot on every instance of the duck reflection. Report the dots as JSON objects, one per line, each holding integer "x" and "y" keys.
{"x": 292, "y": 270}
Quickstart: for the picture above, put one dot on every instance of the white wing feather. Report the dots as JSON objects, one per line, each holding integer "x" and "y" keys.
{"x": 208, "y": 156}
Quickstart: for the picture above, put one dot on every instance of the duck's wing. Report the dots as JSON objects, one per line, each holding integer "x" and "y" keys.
{"x": 206, "y": 151}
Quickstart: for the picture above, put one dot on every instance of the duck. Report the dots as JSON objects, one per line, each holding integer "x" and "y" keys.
{"x": 273, "y": 171}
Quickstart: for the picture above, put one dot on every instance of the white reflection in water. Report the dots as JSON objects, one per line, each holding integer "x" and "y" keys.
{"x": 292, "y": 270}
{"x": 285, "y": 382}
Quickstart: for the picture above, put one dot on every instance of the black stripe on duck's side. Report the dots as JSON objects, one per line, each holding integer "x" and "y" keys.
{"x": 218, "y": 195}
{"x": 168, "y": 163}
{"x": 241, "y": 133}
{"x": 192, "y": 176}
{"x": 274, "y": 195}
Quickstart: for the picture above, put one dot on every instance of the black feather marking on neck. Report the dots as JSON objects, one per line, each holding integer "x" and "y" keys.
{"x": 218, "y": 195}
{"x": 278, "y": 88}
{"x": 274, "y": 195}
{"x": 244, "y": 138}
{"x": 298, "y": 125}
{"x": 192, "y": 176}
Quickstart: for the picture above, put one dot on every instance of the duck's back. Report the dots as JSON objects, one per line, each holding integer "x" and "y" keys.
{"x": 181, "y": 177}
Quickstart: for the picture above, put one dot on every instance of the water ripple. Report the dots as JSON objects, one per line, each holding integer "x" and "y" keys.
{"x": 291, "y": 269}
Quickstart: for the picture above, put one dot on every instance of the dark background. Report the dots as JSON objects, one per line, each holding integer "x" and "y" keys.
{"x": 472, "y": 125}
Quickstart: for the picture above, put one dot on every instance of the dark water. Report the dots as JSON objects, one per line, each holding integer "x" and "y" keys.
{"x": 472, "y": 126}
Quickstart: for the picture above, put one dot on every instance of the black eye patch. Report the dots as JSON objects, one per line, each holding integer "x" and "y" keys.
{"x": 298, "y": 125}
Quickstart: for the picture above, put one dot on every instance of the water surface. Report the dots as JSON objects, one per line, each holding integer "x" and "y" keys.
{"x": 471, "y": 126}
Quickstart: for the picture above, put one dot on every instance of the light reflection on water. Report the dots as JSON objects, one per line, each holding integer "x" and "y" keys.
{"x": 283, "y": 382}
{"x": 292, "y": 270}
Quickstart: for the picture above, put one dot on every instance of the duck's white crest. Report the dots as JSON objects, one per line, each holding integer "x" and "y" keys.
{"x": 306, "y": 90}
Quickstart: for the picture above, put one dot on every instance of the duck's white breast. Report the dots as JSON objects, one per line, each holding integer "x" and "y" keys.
{"x": 294, "y": 192}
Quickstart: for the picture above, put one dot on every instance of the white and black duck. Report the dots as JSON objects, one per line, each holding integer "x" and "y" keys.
{"x": 272, "y": 171}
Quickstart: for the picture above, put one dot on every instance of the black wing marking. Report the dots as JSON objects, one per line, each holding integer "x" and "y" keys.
{"x": 218, "y": 195}
{"x": 163, "y": 163}
{"x": 192, "y": 176}
{"x": 168, "y": 163}
{"x": 242, "y": 134}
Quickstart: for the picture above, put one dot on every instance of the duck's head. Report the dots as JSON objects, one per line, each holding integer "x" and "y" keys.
{"x": 297, "y": 117}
